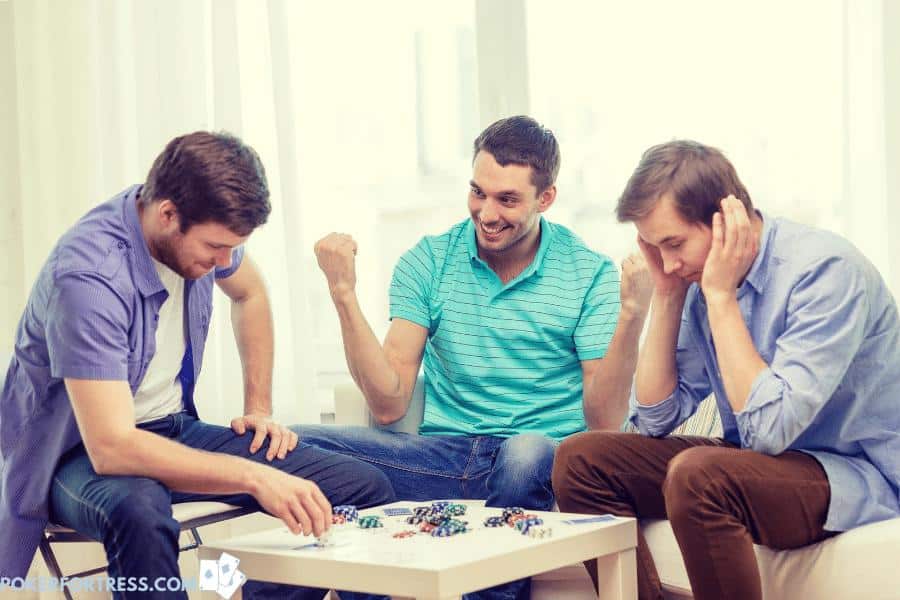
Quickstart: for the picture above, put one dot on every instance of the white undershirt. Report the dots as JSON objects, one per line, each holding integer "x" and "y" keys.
{"x": 160, "y": 391}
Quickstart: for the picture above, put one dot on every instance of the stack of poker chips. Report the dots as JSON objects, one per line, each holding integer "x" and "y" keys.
{"x": 510, "y": 512}
{"x": 370, "y": 522}
{"x": 438, "y": 520}
{"x": 450, "y": 527}
{"x": 514, "y": 516}
{"x": 345, "y": 513}
{"x": 455, "y": 510}
{"x": 494, "y": 522}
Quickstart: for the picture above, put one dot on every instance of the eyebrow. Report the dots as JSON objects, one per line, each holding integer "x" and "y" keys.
{"x": 667, "y": 239}
{"x": 503, "y": 193}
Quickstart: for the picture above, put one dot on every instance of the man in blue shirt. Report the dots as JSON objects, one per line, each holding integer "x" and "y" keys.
{"x": 98, "y": 427}
{"x": 518, "y": 327}
{"x": 795, "y": 333}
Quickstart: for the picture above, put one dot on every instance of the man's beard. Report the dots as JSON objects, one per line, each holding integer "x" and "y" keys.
{"x": 167, "y": 249}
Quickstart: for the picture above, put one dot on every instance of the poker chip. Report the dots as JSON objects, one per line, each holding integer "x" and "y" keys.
{"x": 455, "y": 510}
{"x": 427, "y": 527}
{"x": 370, "y": 522}
{"x": 513, "y": 519}
{"x": 443, "y": 532}
{"x": 525, "y": 523}
{"x": 494, "y": 522}
{"x": 436, "y": 519}
{"x": 422, "y": 511}
{"x": 404, "y": 534}
{"x": 338, "y": 519}
{"x": 415, "y": 519}
{"x": 348, "y": 511}
{"x": 512, "y": 511}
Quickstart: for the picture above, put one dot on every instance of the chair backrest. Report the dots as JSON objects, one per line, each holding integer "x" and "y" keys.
{"x": 705, "y": 422}
{"x": 414, "y": 414}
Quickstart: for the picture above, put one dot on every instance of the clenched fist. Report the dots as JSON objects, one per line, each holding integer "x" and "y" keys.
{"x": 336, "y": 254}
{"x": 637, "y": 285}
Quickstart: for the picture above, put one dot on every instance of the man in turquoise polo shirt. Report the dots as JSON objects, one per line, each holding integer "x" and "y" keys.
{"x": 522, "y": 331}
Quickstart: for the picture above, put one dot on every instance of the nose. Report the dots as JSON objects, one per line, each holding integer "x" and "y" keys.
{"x": 670, "y": 264}
{"x": 223, "y": 258}
{"x": 488, "y": 212}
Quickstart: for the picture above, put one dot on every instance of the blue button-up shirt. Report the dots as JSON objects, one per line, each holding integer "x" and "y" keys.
{"x": 92, "y": 314}
{"x": 822, "y": 318}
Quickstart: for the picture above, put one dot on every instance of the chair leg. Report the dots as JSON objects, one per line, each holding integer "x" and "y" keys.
{"x": 195, "y": 535}
{"x": 52, "y": 565}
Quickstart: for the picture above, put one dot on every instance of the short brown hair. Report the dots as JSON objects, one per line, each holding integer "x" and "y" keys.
{"x": 521, "y": 140}
{"x": 211, "y": 177}
{"x": 697, "y": 176}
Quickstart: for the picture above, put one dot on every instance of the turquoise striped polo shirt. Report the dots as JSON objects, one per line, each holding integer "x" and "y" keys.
{"x": 505, "y": 359}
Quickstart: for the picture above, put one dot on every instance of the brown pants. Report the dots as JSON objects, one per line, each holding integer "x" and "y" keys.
{"x": 719, "y": 498}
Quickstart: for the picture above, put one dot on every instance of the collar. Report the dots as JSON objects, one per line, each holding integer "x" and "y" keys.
{"x": 145, "y": 276}
{"x": 547, "y": 234}
{"x": 758, "y": 274}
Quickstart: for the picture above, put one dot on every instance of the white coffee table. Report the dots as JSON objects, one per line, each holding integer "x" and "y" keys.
{"x": 431, "y": 568}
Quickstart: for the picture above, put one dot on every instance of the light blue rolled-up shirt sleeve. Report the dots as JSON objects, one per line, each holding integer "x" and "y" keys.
{"x": 825, "y": 326}
{"x": 237, "y": 257}
{"x": 693, "y": 386}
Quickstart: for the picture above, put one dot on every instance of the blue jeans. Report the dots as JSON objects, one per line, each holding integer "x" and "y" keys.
{"x": 132, "y": 516}
{"x": 504, "y": 472}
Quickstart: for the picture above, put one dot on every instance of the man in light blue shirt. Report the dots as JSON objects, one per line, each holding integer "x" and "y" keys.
{"x": 796, "y": 334}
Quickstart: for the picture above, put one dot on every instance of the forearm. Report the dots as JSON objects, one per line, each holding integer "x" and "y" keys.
{"x": 367, "y": 361}
{"x": 657, "y": 375}
{"x": 606, "y": 393}
{"x": 139, "y": 453}
{"x": 251, "y": 320}
{"x": 739, "y": 362}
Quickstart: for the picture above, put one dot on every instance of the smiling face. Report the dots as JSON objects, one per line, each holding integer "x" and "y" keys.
{"x": 683, "y": 246}
{"x": 505, "y": 206}
{"x": 194, "y": 253}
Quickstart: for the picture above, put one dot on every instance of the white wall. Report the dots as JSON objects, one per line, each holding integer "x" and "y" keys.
{"x": 12, "y": 285}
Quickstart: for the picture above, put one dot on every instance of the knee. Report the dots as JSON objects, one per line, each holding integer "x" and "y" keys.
{"x": 577, "y": 459}
{"x": 376, "y": 488}
{"x": 527, "y": 455}
{"x": 359, "y": 483}
{"x": 691, "y": 478}
{"x": 145, "y": 513}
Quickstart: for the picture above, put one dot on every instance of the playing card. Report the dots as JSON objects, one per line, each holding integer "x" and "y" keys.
{"x": 237, "y": 580}
{"x": 227, "y": 566}
{"x": 209, "y": 575}
{"x": 597, "y": 519}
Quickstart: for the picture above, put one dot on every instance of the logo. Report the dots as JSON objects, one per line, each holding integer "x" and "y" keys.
{"x": 221, "y": 576}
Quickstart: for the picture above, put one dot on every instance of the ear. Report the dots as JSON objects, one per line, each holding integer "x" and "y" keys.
{"x": 167, "y": 214}
{"x": 546, "y": 198}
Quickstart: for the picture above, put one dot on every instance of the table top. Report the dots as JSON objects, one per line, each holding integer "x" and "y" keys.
{"x": 421, "y": 565}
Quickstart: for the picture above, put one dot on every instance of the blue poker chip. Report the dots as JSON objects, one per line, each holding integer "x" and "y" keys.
{"x": 494, "y": 522}
{"x": 348, "y": 511}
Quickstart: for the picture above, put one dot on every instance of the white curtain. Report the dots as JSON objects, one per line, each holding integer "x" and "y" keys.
{"x": 102, "y": 85}
{"x": 364, "y": 113}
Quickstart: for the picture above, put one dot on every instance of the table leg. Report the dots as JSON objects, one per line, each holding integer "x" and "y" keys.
{"x": 617, "y": 575}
